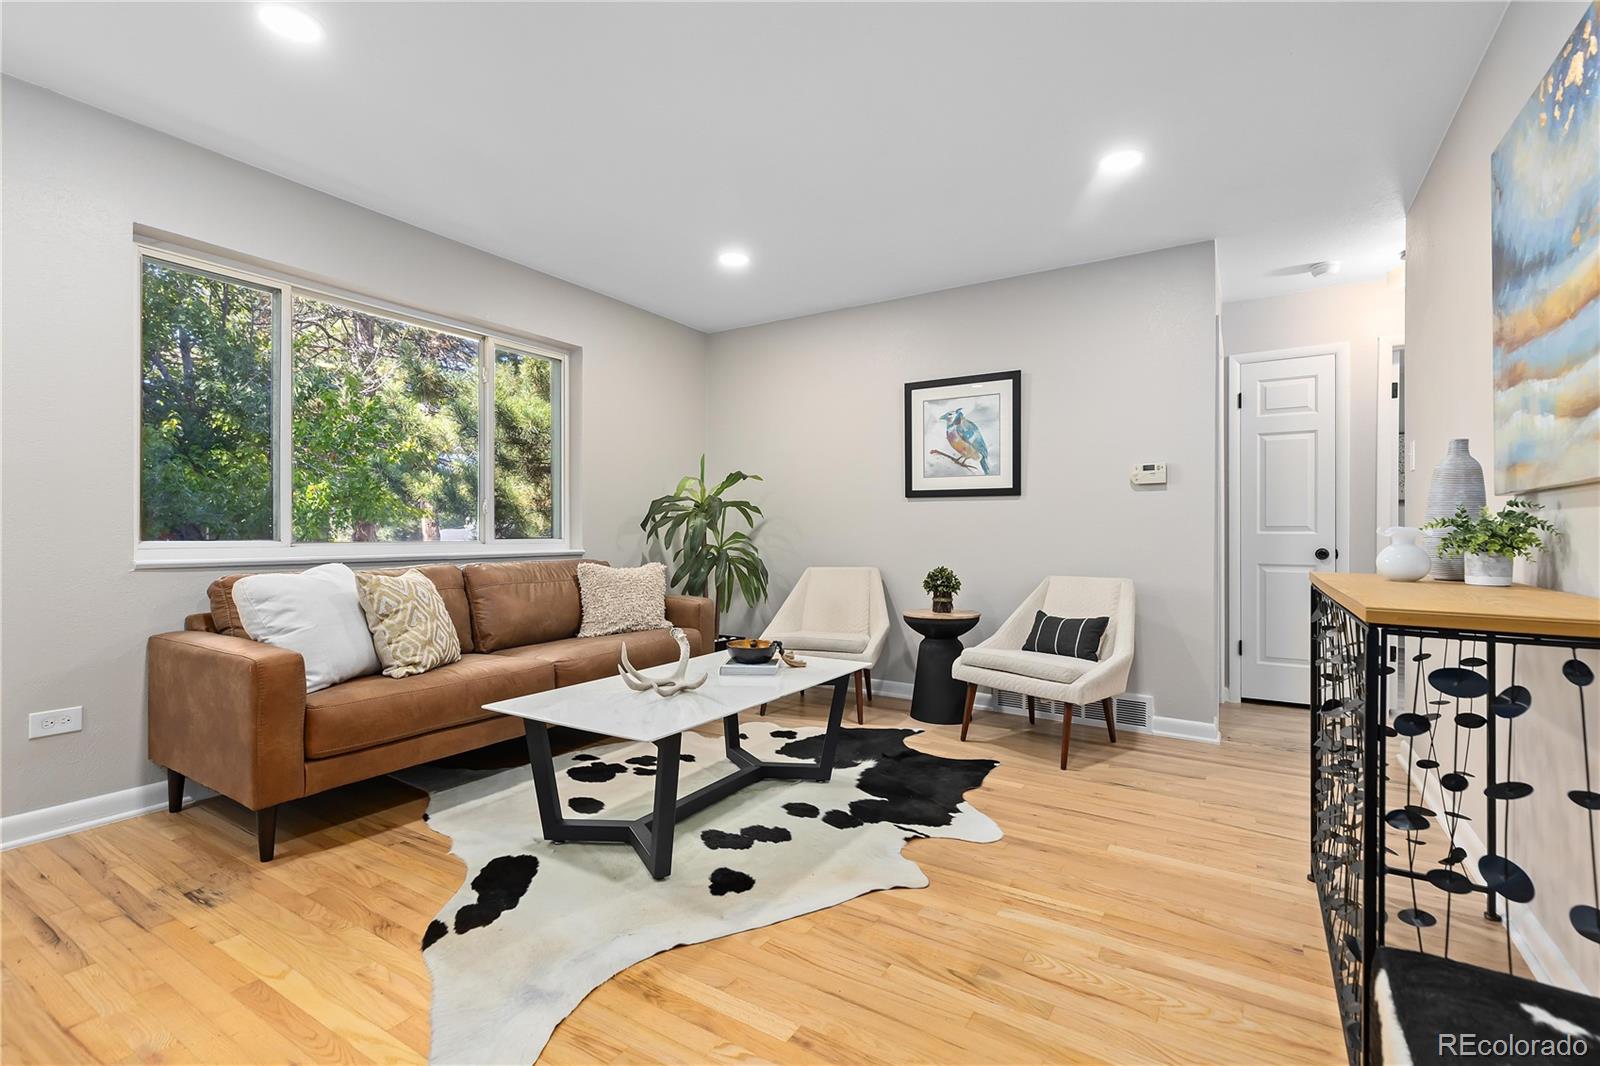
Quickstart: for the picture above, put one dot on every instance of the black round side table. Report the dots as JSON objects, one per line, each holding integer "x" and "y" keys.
{"x": 937, "y": 698}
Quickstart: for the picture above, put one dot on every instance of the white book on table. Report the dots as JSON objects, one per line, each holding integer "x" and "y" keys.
{"x": 749, "y": 670}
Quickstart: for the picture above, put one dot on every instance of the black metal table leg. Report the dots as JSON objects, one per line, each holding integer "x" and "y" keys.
{"x": 830, "y": 739}
{"x": 651, "y": 836}
{"x": 544, "y": 779}
{"x": 664, "y": 820}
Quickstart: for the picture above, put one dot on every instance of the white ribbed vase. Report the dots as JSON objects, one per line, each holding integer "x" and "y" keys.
{"x": 1457, "y": 482}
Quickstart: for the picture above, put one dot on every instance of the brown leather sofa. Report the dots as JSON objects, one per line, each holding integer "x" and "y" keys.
{"x": 233, "y": 714}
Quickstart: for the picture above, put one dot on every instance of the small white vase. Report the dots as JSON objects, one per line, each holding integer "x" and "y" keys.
{"x": 1488, "y": 569}
{"x": 1404, "y": 559}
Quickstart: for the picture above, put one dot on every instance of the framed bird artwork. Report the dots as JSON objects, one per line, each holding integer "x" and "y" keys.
{"x": 964, "y": 436}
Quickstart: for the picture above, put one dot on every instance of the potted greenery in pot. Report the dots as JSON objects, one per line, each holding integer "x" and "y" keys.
{"x": 942, "y": 584}
{"x": 708, "y": 555}
{"x": 1488, "y": 542}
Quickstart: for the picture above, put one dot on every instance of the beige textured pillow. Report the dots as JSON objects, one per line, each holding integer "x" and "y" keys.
{"x": 620, "y": 599}
{"x": 412, "y": 631}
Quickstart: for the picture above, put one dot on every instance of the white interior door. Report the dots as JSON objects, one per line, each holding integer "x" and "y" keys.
{"x": 1287, "y": 501}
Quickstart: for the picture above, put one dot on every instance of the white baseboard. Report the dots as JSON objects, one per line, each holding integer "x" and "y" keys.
{"x": 1532, "y": 941}
{"x": 1181, "y": 728}
{"x": 46, "y": 822}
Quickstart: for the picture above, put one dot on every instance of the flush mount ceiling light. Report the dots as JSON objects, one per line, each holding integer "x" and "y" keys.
{"x": 290, "y": 23}
{"x": 733, "y": 259}
{"x": 1326, "y": 266}
{"x": 1122, "y": 161}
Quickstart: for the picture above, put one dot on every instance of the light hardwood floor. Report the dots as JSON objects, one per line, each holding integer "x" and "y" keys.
{"x": 1149, "y": 905}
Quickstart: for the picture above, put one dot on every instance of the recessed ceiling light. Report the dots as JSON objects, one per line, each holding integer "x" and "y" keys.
{"x": 733, "y": 259}
{"x": 290, "y": 23}
{"x": 1121, "y": 161}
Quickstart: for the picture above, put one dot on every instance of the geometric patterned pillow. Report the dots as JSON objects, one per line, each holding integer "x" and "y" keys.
{"x": 412, "y": 631}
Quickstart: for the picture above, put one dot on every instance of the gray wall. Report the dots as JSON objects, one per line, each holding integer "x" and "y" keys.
{"x": 1357, "y": 314}
{"x": 1119, "y": 367}
{"x": 75, "y": 615}
{"x": 1449, "y": 394}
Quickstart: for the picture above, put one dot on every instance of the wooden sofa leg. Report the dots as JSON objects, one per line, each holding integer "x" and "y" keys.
{"x": 1029, "y": 700}
{"x": 1111, "y": 718}
{"x": 860, "y": 718}
{"x": 1066, "y": 732}
{"x": 868, "y": 674}
{"x": 966, "y": 714}
{"x": 266, "y": 831}
{"x": 174, "y": 791}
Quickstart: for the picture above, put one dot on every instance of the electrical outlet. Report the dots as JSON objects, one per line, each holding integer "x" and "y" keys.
{"x": 49, "y": 723}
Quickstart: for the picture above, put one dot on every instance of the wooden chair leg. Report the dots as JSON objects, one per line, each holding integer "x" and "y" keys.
{"x": 1066, "y": 732}
{"x": 1029, "y": 700}
{"x": 966, "y": 714}
{"x": 1111, "y": 718}
{"x": 860, "y": 719}
{"x": 763, "y": 708}
{"x": 868, "y": 674}
{"x": 174, "y": 791}
{"x": 266, "y": 832}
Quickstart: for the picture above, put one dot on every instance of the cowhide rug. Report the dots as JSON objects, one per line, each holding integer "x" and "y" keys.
{"x": 537, "y": 926}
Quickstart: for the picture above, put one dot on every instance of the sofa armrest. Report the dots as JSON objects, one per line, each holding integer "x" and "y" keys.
{"x": 229, "y": 713}
{"x": 697, "y": 613}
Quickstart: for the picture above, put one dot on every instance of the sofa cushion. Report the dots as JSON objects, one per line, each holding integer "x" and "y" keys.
{"x": 1062, "y": 669}
{"x": 316, "y": 613}
{"x": 622, "y": 599}
{"x": 378, "y": 710}
{"x": 581, "y": 659}
{"x": 446, "y": 577}
{"x": 411, "y": 628}
{"x": 516, "y": 604}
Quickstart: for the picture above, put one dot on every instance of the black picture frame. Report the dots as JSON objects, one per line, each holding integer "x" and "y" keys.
{"x": 1010, "y": 378}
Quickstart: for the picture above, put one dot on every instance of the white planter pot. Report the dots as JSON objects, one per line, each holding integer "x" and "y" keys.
{"x": 1488, "y": 569}
{"x": 1403, "y": 559}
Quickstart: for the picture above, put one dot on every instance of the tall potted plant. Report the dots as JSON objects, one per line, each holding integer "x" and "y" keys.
{"x": 692, "y": 523}
{"x": 1490, "y": 541}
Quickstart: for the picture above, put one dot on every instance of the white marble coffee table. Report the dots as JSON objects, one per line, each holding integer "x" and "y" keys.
{"x": 609, "y": 707}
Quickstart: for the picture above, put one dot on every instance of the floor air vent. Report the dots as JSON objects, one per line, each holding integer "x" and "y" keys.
{"x": 1132, "y": 710}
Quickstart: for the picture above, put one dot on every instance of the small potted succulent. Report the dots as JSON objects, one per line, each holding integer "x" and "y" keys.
{"x": 942, "y": 584}
{"x": 1489, "y": 541}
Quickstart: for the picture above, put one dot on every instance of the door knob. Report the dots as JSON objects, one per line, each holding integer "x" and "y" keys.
{"x": 1322, "y": 553}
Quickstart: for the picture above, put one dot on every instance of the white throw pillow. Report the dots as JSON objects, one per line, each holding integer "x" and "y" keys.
{"x": 315, "y": 613}
{"x": 619, "y": 599}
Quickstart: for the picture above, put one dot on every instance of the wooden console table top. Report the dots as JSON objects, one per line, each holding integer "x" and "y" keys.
{"x": 1431, "y": 604}
{"x": 939, "y": 616}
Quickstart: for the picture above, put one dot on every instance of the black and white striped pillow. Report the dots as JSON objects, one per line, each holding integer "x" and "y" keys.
{"x": 1078, "y": 638}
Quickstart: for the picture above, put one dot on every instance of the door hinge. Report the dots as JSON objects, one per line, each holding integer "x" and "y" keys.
{"x": 1241, "y": 647}
{"x": 1239, "y": 398}
{"x": 1394, "y": 390}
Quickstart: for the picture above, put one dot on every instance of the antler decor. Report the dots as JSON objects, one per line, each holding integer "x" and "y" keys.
{"x": 669, "y": 686}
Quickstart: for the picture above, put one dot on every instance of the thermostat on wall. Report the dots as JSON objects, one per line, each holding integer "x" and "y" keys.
{"x": 1149, "y": 474}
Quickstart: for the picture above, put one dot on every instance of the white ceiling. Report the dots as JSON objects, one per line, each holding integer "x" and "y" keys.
{"x": 858, "y": 151}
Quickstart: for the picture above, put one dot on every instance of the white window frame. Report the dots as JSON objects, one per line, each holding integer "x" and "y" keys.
{"x": 283, "y": 550}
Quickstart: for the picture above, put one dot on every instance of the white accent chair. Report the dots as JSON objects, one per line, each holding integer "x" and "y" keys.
{"x": 1001, "y": 664}
{"x": 835, "y": 612}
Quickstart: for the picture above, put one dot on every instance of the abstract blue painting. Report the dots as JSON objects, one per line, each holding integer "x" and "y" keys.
{"x": 1546, "y": 275}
